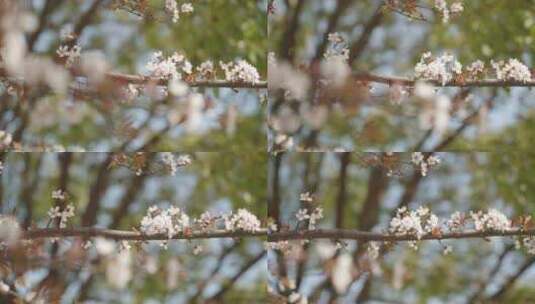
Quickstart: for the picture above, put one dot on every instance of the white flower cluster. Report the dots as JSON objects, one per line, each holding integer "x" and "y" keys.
{"x": 418, "y": 159}
{"x": 306, "y": 197}
{"x": 70, "y": 53}
{"x": 443, "y": 68}
{"x": 414, "y": 222}
{"x": 337, "y": 48}
{"x": 283, "y": 246}
{"x": 241, "y": 220}
{"x": 206, "y": 70}
{"x": 168, "y": 68}
{"x": 512, "y": 69}
{"x": 456, "y": 221}
{"x": 5, "y": 140}
{"x": 171, "y": 6}
{"x": 312, "y": 216}
{"x": 422, "y": 221}
{"x": 174, "y": 163}
{"x": 206, "y": 221}
{"x": 373, "y": 250}
{"x": 334, "y": 68}
{"x": 283, "y": 76}
{"x": 240, "y": 71}
{"x": 59, "y": 195}
{"x": 10, "y": 230}
{"x": 445, "y": 11}
{"x": 476, "y": 68}
{"x": 62, "y": 215}
{"x": 171, "y": 221}
{"x": 490, "y": 220}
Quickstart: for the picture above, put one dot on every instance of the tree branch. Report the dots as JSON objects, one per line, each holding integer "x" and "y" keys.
{"x": 404, "y": 81}
{"x": 334, "y": 234}
{"x": 140, "y": 79}
{"x": 89, "y": 232}
{"x": 366, "y": 236}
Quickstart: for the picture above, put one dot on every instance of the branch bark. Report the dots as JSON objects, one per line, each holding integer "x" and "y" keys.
{"x": 333, "y": 234}
{"x": 405, "y": 81}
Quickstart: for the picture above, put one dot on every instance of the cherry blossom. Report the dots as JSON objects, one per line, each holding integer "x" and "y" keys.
{"x": 240, "y": 71}
{"x": 512, "y": 69}
{"x": 70, "y": 53}
{"x": 62, "y": 214}
{"x": 241, "y": 220}
{"x": 442, "y": 69}
{"x": 170, "y": 221}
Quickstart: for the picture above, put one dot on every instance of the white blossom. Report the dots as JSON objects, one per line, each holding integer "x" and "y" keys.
{"x": 413, "y": 222}
{"x": 58, "y": 195}
{"x": 5, "y": 139}
{"x": 512, "y": 69}
{"x": 418, "y": 159}
{"x": 283, "y": 75}
{"x": 242, "y": 220}
{"x": 173, "y": 163}
{"x": 70, "y": 53}
{"x": 206, "y": 69}
{"x": 171, "y": 221}
{"x": 240, "y": 71}
{"x": 373, "y": 250}
{"x": 10, "y": 230}
{"x": 476, "y": 68}
{"x": 490, "y": 220}
{"x": 119, "y": 270}
{"x": 170, "y": 67}
{"x": 456, "y": 221}
{"x": 335, "y": 70}
{"x": 306, "y": 197}
{"x": 311, "y": 215}
{"x": 442, "y": 69}
{"x": 62, "y": 214}
{"x": 171, "y": 6}
{"x": 104, "y": 247}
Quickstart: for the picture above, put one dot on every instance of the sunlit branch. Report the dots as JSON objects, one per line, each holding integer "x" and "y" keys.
{"x": 90, "y": 232}
{"x": 334, "y": 234}
{"x": 345, "y": 234}
{"x": 404, "y": 81}
{"x": 139, "y": 79}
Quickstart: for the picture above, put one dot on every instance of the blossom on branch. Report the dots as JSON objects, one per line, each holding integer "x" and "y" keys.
{"x": 171, "y": 221}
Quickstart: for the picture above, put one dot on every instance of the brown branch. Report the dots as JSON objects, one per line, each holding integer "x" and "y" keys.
{"x": 49, "y": 7}
{"x": 219, "y": 295}
{"x": 140, "y": 79}
{"x": 498, "y": 295}
{"x": 404, "y": 81}
{"x": 287, "y": 51}
{"x": 91, "y": 232}
{"x": 483, "y": 285}
{"x": 366, "y": 236}
{"x": 342, "y": 5}
{"x": 201, "y": 286}
{"x": 358, "y": 47}
{"x": 96, "y": 192}
{"x": 334, "y": 234}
